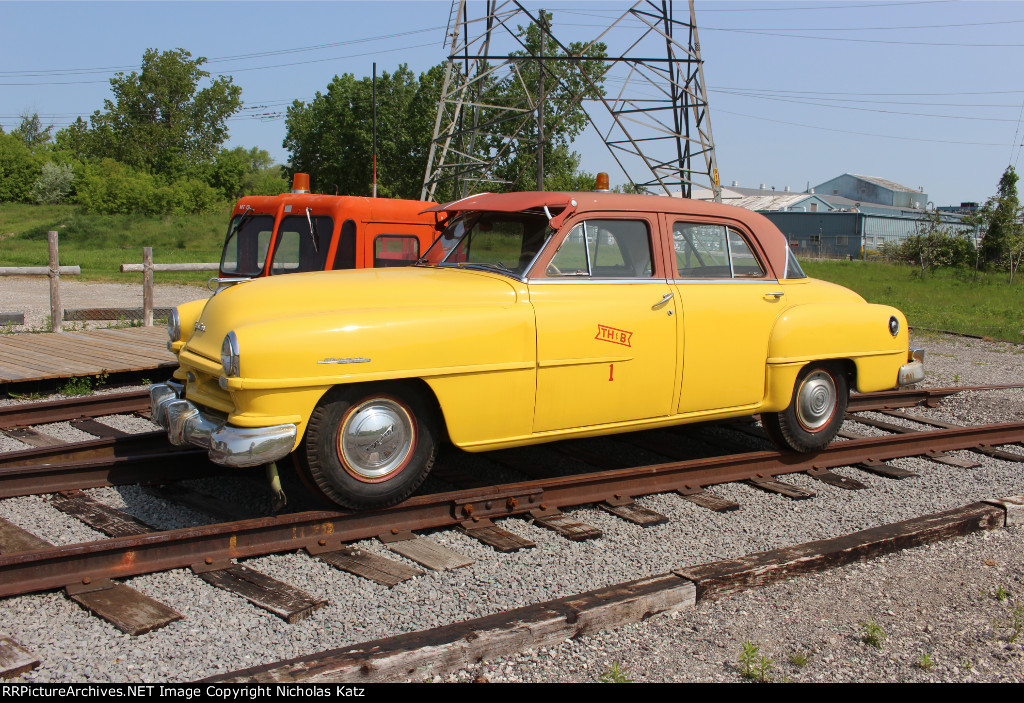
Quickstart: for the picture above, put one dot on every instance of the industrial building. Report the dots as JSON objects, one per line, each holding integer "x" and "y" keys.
{"x": 849, "y": 216}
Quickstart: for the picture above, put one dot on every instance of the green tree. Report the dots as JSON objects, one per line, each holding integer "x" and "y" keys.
{"x": 32, "y": 133}
{"x": 240, "y": 171}
{"x": 566, "y": 83}
{"x": 331, "y": 137}
{"x": 19, "y": 169}
{"x": 935, "y": 244}
{"x": 1001, "y": 223}
{"x": 159, "y": 120}
{"x": 111, "y": 187}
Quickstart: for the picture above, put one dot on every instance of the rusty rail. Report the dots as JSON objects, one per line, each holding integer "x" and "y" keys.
{"x": 322, "y": 531}
{"x": 74, "y": 408}
{"x": 149, "y": 458}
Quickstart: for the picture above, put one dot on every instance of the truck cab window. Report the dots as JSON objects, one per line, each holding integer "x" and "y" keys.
{"x": 345, "y": 256}
{"x": 245, "y": 251}
{"x": 395, "y": 250}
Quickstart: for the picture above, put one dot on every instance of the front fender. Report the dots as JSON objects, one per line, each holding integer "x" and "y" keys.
{"x": 479, "y": 361}
{"x": 188, "y": 315}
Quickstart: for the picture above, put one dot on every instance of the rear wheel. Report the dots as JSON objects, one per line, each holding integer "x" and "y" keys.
{"x": 369, "y": 447}
{"x": 815, "y": 412}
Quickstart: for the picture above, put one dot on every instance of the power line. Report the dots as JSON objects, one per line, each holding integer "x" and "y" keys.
{"x": 762, "y": 118}
{"x": 947, "y": 44}
{"x": 865, "y": 109}
{"x": 707, "y": 8}
{"x": 37, "y": 73}
{"x": 252, "y": 68}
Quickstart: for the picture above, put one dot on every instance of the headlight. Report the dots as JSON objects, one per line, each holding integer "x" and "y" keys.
{"x": 174, "y": 325}
{"x": 894, "y": 326}
{"x": 229, "y": 355}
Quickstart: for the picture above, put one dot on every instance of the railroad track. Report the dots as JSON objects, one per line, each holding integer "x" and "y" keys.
{"x": 85, "y": 571}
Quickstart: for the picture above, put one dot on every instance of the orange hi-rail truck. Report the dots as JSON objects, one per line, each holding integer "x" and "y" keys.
{"x": 302, "y": 231}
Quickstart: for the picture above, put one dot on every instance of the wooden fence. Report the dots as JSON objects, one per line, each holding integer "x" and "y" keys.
{"x": 55, "y": 271}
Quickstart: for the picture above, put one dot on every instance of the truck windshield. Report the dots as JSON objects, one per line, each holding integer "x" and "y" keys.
{"x": 506, "y": 242}
{"x": 302, "y": 243}
{"x": 246, "y": 244}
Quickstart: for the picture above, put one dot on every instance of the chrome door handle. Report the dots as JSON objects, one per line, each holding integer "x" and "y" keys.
{"x": 664, "y": 299}
{"x": 775, "y": 294}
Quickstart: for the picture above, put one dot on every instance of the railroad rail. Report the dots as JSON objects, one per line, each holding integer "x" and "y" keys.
{"x": 149, "y": 458}
{"x": 326, "y": 534}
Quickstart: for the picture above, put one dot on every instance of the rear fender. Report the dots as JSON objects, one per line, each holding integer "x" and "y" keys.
{"x": 855, "y": 331}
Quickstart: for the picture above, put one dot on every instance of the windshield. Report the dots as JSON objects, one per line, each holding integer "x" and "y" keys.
{"x": 302, "y": 243}
{"x": 506, "y": 242}
{"x": 245, "y": 247}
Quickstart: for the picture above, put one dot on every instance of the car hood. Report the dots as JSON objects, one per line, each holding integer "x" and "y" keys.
{"x": 288, "y": 297}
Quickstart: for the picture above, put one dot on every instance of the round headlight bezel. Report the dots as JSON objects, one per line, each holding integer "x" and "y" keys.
{"x": 229, "y": 355}
{"x": 894, "y": 326}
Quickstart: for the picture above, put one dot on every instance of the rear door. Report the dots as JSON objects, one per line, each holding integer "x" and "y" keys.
{"x": 729, "y": 306}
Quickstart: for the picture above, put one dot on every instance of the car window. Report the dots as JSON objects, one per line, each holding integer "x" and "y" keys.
{"x": 604, "y": 249}
{"x": 744, "y": 263}
{"x": 498, "y": 241}
{"x": 713, "y": 251}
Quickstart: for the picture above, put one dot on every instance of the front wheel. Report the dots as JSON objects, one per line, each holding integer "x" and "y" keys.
{"x": 815, "y": 412}
{"x": 369, "y": 447}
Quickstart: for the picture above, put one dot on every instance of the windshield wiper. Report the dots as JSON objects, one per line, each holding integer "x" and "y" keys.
{"x": 313, "y": 231}
{"x": 238, "y": 227}
{"x": 486, "y": 264}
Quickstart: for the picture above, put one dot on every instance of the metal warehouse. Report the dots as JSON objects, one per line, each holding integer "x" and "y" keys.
{"x": 849, "y": 216}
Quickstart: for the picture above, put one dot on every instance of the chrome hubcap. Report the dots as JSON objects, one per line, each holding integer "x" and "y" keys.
{"x": 816, "y": 401}
{"x": 376, "y": 439}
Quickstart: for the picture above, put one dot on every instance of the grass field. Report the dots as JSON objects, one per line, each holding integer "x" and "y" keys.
{"x": 946, "y": 299}
{"x": 101, "y": 243}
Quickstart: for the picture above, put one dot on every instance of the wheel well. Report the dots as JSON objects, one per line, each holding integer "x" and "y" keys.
{"x": 412, "y": 385}
{"x": 843, "y": 366}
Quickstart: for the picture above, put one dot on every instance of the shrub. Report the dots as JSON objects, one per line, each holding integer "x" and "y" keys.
{"x": 54, "y": 183}
{"x": 111, "y": 187}
{"x": 19, "y": 168}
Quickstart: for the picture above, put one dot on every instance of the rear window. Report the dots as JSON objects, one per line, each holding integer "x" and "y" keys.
{"x": 713, "y": 251}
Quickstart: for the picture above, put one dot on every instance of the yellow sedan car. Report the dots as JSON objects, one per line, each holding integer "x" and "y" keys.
{"x": 534, "y": 317}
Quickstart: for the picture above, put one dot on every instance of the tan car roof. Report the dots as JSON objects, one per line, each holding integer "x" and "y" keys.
{"x": 772, "y": 241}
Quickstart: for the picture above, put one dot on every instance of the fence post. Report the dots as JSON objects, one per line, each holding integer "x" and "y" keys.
{"x": 56, "y": 309}
{"x": 147, "y": 286}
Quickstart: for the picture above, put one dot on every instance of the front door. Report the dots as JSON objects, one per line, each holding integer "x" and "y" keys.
{"x": 606, "y": 328}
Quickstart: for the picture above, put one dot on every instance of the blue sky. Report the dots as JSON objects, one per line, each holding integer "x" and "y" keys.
{"x": 927, "y": 94}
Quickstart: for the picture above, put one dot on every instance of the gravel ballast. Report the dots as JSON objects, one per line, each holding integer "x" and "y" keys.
{"x": 936, "y": 605}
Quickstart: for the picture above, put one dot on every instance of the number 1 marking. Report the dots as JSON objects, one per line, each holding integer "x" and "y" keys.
{"x": 611, "y": 372}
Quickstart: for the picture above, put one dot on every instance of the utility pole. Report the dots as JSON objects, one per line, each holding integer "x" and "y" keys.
{"x": 540, "y": 102}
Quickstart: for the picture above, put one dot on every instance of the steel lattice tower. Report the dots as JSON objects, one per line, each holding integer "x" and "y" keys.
{"x": 652, "y": 112}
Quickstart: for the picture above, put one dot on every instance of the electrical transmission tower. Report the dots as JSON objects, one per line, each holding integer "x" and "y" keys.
{"x": 646, "y": 99}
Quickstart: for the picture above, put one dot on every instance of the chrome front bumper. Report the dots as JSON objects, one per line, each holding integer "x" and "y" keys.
{"x": 913, "y": 371}
{"x": 228, "y": 445}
